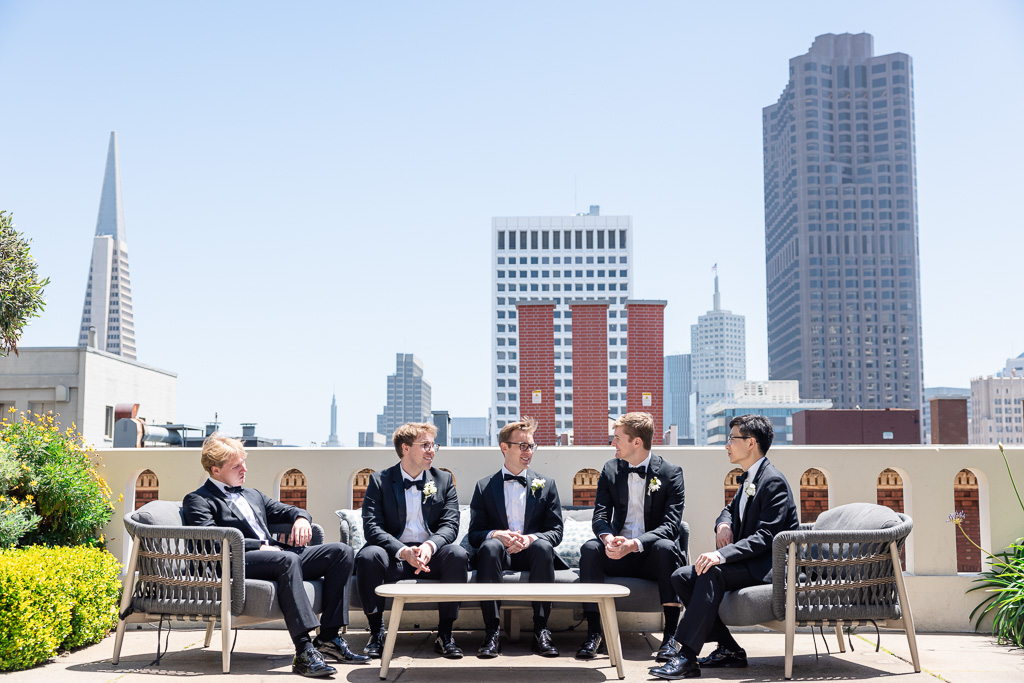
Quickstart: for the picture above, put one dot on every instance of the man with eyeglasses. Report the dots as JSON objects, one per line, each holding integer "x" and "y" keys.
{"x": 761, "y": 508}
{"x": 410, "y": 520}
{"x": 515, "y": 523}
{"x": 637, "y": 510}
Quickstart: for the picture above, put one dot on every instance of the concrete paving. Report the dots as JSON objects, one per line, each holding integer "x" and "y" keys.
{"x": 264, "y": 654}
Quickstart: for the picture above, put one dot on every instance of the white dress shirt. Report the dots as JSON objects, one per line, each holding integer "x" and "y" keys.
{"x": 415, "y": 531}
{"x": 515, "y": 504}
{"x": 243, "y": 508}
{"x": 634, "y": 526}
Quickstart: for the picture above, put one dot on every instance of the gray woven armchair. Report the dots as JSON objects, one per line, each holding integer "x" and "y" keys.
{"x": 175, "y": 573}
{"x": 842, "y": 570}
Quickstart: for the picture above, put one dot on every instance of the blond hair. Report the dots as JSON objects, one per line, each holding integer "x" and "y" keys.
{"x": 217, "y": 450}
{"x": 527, "y": 424}
{"x": 407, "y": 433}
{"x": 637, "y": 425}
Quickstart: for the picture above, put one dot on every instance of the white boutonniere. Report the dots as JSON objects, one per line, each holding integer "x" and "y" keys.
{"x": 750, "y": 489}
{"x": 653, "y": 485}
{"x": 429, "y": 490}
{"x": 536, "y": 485}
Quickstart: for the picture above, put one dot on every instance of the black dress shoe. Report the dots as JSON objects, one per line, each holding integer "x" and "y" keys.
{"x": 445, "y": 646}
{"x": 375, "y": 646}
{"x": 592, "y": 646}
{"x": 669, "y": 649}
{"x": 310, "y": 663}
{"x": 542, "y": 644}
{"x": 724, "y": 657}
{"x": 676, "y": 668}
{"x": 491, "y": 647}
{"x": 339, "y": 650}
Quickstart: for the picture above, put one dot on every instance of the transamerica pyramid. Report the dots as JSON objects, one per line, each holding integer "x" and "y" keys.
{"x": 108, "y": 294}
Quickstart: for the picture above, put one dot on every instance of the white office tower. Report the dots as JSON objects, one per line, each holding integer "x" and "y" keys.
{"x": 997, "y": 407}
{"x": 718, "y": 350}
{"x": 561, "y": 259}
{"x": 108, "y": 294}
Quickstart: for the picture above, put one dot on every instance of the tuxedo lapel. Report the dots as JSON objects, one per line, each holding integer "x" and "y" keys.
{"x": 652, "y": 471}
{"x": 622, "y": 486}
{"x": 497, "y": 491}
{"x": 531, "y": 499}
{"x": 748, "y": 515}
{"x": 398, "y": 491}
{"x": 426, "y": 501}
{"x": 258, "y": 511}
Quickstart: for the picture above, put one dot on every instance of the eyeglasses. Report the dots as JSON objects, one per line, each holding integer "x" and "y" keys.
{"x": 523, "y": 446}
{"x": 428, "y": 445}
{"x": 737, "y": 437}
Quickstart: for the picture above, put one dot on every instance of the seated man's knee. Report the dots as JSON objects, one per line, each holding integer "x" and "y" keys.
{"x": 491, "y": 548}
{"x": 457, "y": 552}
{"x": 543, "y": 546}
{"x": 370, "y": 555}
{"x": 593, "y": 547}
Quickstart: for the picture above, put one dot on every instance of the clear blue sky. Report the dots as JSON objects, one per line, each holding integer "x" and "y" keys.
{"x": 308, "y": 187}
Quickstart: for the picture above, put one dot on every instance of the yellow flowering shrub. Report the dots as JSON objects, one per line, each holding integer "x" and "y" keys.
{"x": 50, "y": 491}
{"x": 53, "y": 599}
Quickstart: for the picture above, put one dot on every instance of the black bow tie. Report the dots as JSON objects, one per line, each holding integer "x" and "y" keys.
{"x": 516, "y": 477}
{"x": 743, "y": 477}
{"x": 642, "y": 471}
{"x": 418, "y": 483}
{"x": 233, "y": 489}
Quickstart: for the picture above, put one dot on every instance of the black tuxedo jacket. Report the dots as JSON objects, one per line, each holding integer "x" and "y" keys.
{"x": 384, "y": 513}
{"x": 663, "y": 509}
{"x": 543, "y": 515}
{"x": 208, "y": 506}
{"x": 768, "y": 512}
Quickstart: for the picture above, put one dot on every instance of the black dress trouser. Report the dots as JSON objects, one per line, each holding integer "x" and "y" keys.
{"x": 492, "y": 559}
{"x": 374, "y": 566}
{"x": 333, "y": 562}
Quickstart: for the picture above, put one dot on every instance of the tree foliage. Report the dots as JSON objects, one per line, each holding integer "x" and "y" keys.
{"x": 21, "y": 288}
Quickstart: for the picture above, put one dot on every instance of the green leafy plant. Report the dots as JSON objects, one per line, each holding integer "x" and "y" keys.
{"x": 21, "y": 288}
{"x": 51, "y": 492}
{"x": 1003, "y": 582}
{"x": 54, "y": 599}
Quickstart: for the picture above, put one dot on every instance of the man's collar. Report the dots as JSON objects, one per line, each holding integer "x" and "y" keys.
{"x": 221, "y": 486}
{"x": 752, "y": 471}
{"x": 506, "y": 470}
{"x": 406, "y": 475}
{"x": 646, "y": 462}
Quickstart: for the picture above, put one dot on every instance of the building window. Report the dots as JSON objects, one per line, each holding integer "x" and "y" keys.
{"x": 108, "y": 423}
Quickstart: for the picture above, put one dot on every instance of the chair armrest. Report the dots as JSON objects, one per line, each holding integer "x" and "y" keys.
{"x": 279, "y": 530}
{"x": 171, "y": 558}
{"x": 827, "y": 559}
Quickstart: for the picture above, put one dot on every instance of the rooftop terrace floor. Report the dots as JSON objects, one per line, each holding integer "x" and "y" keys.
{"x": 264, "y": 654}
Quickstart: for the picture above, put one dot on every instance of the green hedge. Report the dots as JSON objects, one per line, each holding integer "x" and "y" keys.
{"x": 54, "y": 599}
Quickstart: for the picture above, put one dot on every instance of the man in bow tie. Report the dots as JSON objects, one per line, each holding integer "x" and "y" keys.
{"x": 761, "y": 508}
{"x": 637, "y": 510}
{"x": 224, "y": 501}
{"x": 515, "y": 523}
{"x": 410, "y": 520}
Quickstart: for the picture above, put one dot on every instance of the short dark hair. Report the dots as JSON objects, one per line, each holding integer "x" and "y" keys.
{"x": 757, "y": 426}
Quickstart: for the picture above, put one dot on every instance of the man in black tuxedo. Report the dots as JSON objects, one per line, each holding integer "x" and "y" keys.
{"x": 637, "y": 510}
{"x": 222, "y": 501}
{"x": 515, "y": 523}
{"x": 761, "y": 508}
{"x": 410, "y": 520}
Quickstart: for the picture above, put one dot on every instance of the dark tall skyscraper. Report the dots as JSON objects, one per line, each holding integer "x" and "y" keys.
{"x": 840, "y": 186}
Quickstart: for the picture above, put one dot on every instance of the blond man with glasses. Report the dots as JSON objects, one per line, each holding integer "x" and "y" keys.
{"x": 410, "y": 520}
{"x": 515, "y": 523}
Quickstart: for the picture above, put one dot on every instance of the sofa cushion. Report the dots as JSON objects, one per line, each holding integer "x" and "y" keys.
{"x": 856, "y": 517}
{"x": 159, "y": 513}
{"x": 261, "y": 598}
{"x": 747, "y": 606}
{"x": 574, "y": 534}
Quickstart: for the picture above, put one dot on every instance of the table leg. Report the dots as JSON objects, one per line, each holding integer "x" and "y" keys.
{"x": 389, "y": 642}
{"x": 610, "y": 624}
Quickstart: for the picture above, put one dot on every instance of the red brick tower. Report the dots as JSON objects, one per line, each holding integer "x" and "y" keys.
{"x": 590, "y": 372}
{"x": 537, "y": 366}
{"x": 646, "y": 366}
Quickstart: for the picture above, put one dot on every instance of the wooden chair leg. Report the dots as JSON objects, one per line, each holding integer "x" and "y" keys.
{"x": 209, "y": 632}
{"x": 839, "y": 636}
{"x": 908, "y": 617}
{"x": 790, "y": 610}
{"x": 127, "y": 589}
{"x": 225, "y": 609}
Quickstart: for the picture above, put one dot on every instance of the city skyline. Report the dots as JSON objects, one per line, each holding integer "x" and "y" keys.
{"x": 367, "y": 150}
